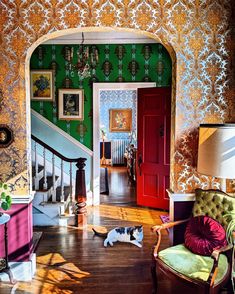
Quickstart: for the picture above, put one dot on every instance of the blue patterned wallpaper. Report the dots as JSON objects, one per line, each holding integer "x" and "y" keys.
{"x": 116, "y": 99}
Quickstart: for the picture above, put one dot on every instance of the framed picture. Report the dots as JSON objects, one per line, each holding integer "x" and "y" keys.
{"x": 6, "y": 136}
{"x": 42, "y": 85}
{"x": 120, "y": 120}
{"x": 71, "y": 104}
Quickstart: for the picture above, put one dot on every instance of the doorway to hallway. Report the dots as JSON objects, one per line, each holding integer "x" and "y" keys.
{"x": 122, "y": 191}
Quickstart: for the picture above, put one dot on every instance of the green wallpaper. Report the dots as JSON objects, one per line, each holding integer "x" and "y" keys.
{"x": 117, "y": 63}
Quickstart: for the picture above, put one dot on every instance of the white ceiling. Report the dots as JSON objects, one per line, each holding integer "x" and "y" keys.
{"x": 102, "y": 38}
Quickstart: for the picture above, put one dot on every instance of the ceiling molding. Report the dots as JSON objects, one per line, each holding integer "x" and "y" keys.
{"x": 102, "y": 38}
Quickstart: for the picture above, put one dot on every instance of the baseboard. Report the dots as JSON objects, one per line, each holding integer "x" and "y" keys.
{"x": 22, "y": 271}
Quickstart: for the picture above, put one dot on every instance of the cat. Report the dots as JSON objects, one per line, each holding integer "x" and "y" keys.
{"x": 132, "y": 235}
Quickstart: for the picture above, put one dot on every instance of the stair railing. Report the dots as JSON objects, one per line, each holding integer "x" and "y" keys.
{"x": 80, "y": 187}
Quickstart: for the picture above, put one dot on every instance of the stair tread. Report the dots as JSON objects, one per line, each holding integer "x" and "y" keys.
{"x": 66, "y": 192}
{"x": 40, "y": 168}
{"x": 49, "y": 203}
{"x": 58, "y": 193}
{"x": 49, "y": 183}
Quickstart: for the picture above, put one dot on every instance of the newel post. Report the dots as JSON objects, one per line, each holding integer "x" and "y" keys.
{"x": 80, "y": 194}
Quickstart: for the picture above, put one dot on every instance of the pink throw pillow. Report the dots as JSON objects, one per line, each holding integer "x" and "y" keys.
{"x": 203, "y": 235}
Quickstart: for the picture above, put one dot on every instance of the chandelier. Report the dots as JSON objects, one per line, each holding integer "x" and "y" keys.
{"x": 86, "y": 61}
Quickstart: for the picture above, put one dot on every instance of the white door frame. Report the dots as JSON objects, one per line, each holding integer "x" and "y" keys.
{"x": 97, "y": 87}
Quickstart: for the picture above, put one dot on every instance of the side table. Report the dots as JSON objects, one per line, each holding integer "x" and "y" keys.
{"x": 4, "y": 266}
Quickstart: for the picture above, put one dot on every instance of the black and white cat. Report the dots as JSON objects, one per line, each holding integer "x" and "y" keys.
{"x": 132, "y": 235}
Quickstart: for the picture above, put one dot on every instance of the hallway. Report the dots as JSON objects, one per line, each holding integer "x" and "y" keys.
{"x": 70, "y": 260}
{"x": 121, "y": 190}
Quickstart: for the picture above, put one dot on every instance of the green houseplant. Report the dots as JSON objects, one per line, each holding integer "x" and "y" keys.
{"x": 5, "y": 198}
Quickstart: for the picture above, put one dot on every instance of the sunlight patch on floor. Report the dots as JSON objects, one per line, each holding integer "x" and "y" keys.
{"x": 133, "y": 214}
{"x": 54, "y": 275}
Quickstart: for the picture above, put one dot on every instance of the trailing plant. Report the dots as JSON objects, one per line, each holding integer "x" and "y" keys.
{"x": 5, "y": 198}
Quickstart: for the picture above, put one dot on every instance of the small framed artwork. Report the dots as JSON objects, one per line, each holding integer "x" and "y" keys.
{"x": 71, "y": 104}
{"x": 120, "y": 120}
{"x": 6, "y": 136}
{"x": 42, "y": 85}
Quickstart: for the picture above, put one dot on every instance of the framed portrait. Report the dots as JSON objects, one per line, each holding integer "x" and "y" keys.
{"x": 71, "y": 104}
{"x": 120, "y": 120}
{"x": 42, "y": 85}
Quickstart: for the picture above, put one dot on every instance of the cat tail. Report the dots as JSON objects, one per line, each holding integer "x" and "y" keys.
{"x": 104, "y": 235}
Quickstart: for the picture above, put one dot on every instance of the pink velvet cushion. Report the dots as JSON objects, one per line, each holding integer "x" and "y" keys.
{"x": 204, "y": 234}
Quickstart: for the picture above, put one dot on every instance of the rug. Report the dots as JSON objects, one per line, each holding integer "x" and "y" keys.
{"x": 104, "y": 184}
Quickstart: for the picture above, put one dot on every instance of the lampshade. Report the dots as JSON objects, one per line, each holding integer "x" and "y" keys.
{"x": 216, "y": 150}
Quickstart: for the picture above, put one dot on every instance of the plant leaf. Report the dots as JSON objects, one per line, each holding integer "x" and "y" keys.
{"x": 3, "y": 195}
{"x": 5, "y": 206}
{"x": 8, "y": 199}
{"x": 5, "y": 186}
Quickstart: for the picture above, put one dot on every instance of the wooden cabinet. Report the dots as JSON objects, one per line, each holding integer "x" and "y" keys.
{"x": 130, "y": 156}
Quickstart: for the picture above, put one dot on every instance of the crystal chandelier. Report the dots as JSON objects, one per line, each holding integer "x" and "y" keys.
{"x": 87, "y": 59}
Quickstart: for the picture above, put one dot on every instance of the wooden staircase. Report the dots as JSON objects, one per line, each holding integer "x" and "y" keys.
{"x": 56, "y": 186}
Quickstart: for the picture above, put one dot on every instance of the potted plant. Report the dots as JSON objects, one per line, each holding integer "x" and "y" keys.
{"x": 5, "y": 198}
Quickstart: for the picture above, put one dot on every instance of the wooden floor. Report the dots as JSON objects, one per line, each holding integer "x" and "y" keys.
{"x": 70, "y": 260}
{"x": 121, "y": 190}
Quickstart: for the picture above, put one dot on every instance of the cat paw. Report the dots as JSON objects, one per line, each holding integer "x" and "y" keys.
{"x": 137, "y": 244}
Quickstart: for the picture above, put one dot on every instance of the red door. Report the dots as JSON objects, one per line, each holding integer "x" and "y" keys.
{"x": 153, "y": 156}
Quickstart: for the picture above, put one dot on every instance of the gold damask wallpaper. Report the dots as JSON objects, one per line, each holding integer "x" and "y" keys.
{"x": 197, "y": 32}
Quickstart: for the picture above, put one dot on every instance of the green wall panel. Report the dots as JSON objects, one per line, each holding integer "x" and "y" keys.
{"x": 155, "y": 67}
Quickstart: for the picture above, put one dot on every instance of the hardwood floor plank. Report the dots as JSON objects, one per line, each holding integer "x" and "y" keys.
{"x": 70, "y": 260}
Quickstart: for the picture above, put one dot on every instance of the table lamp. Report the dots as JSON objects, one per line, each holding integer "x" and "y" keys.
{"x": 216, "y": 151}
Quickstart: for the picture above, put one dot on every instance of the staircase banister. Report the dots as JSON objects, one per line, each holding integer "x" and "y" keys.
{"x": 54, "y": 151}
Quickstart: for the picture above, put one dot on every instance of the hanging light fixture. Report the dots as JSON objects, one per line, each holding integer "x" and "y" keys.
{"x": 87, "y": 59}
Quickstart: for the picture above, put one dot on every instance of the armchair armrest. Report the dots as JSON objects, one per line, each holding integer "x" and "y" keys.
{"x": 157, "y": 229}
{"x": 215, "y": 255}
{"x": 168, "y": 225}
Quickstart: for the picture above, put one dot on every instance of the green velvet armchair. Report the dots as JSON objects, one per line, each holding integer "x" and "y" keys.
{"x": 178, "y": 270}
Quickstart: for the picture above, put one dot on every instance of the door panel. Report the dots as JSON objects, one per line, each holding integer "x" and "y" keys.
{"x": 153, "y": 156}
{"x": 151, "y": 153}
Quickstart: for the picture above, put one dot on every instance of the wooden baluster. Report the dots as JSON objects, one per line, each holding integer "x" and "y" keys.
{"x": 36, "y": 179}
{"x": 71, "y": 182}
{"x": 53, "y": 179}
{"x": 80, "y": 194}
{"x": 62, "y": 181}
{"x": 70, "y": 206}
{"x": 44, "y": 171}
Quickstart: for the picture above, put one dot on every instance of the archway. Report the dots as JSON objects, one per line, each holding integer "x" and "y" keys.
{"x": 94, "y": 29}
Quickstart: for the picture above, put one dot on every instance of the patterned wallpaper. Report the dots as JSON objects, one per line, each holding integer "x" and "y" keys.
{"x": 116, "y": 63}
{"x": 111, "y": 99}
{"x": 196, "y": 33}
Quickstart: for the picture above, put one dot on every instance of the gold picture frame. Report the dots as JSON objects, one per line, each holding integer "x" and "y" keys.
{"x": 42, "y": 85}
{"x": 120, "y": 120}
{"x": 71, "y": 104}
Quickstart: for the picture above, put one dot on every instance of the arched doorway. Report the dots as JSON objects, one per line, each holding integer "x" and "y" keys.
{"x": 72, "y": 31}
